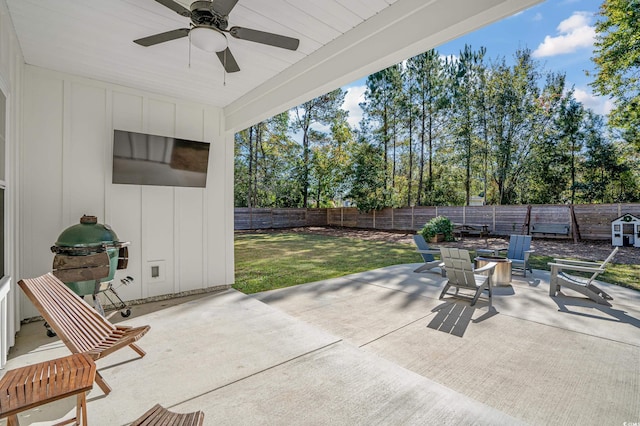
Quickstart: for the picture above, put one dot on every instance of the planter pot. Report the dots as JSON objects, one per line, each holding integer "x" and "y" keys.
{"x": 437, "y": 238}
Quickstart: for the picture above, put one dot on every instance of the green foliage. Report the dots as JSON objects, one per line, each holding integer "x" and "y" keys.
{"x": 617, "y": 60}
{"x": 367, "y": 178}
{"x": 436, "y": 132}
{"x": 323, "y": 110}
{"x": 438, "y": 225}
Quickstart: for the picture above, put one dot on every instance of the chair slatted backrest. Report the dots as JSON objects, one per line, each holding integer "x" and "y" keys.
{"x": 77, "y": 324}
{"x": 422, "y": 245}
{"x": 518, "y": 244}
{"x": 603, "y": 265}
{"x": 610, "y": 257}
{"x": 459, "y": 267}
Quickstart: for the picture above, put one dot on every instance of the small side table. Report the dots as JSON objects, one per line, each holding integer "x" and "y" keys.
{"x": 34, "y": 385}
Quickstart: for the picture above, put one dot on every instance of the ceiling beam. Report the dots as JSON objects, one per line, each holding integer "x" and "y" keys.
{"x": 404, "y": 29}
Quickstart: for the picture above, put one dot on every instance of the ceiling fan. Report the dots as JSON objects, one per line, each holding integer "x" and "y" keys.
{"x": 209, "y": 21}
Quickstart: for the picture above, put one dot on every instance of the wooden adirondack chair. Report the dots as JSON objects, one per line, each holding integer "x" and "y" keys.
{"x": 582, "y": 285}
{"x": 79, "y": 326}
{"x": 463, "y": 276}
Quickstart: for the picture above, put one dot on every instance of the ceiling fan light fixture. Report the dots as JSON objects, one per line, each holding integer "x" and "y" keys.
{"x": 208, "y": 39}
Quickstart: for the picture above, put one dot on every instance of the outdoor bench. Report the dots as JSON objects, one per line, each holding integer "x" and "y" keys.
{"x": 462, "y": 229}
{"x": 550, "y": 228}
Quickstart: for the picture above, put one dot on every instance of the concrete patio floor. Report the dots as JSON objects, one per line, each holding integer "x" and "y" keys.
{"x": 371, "y": 348}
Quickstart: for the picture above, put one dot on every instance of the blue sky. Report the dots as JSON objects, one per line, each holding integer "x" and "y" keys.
{"x": 559, "y": 32}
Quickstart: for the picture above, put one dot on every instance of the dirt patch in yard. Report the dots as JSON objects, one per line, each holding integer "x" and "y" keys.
{"x": 562, "y": 248}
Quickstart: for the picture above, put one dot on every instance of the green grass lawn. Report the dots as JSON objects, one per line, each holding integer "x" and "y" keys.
{"x": 276, "y": 260}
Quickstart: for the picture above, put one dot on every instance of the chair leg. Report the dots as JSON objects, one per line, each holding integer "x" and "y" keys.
{"x": 137, "y": 349}
{"x": 81, "y": 409}
{"x": 444, "y": 290}
{"x": 103, "y": 385}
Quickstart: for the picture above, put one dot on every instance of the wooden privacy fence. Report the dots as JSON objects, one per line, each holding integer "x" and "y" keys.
{"x": 584, "y": 221}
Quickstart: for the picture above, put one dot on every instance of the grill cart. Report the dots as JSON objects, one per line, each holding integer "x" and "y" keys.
{"x": 87, "y": 256}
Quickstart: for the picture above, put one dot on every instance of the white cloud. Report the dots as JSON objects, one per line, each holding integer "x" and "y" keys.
{"x": 537, "y": 17}
{"x": 598, "y": 104}
{"x": 352, "y": 100}
{"x": 574, "y": 33}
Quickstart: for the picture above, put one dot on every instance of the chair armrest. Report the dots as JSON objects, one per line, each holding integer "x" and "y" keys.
{"x": 491, "y": 252}
{"x": 430, "y": 251}
{"x": 577, "y": 262}
{"x": 580, "y": 268}
{"x": 489, "y": 266}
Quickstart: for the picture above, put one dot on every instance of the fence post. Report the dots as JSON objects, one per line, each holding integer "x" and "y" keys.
{"x": 494, "y": 218}
{"x": 413, "y": 222}
{"x": 374, "y": 219}
{"x": 464, "y": 214}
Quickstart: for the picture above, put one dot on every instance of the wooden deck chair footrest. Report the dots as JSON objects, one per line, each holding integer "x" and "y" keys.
{"x": 160, "y": 416}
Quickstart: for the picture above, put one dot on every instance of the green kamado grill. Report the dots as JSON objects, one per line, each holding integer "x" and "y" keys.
{"x": 87, "y": 256}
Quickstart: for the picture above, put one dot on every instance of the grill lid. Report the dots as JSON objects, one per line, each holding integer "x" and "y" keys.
{"x": 88, "y": 233}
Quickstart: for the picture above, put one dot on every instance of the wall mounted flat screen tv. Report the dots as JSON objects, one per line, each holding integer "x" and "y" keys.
{"x": 143, "y": 159}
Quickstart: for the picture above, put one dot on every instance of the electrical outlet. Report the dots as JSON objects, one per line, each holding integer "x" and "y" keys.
{"x": 156, "y": 271}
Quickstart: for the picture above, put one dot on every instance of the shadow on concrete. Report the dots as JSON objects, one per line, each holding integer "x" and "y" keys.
{"x": 583, "y": 307}
{"x": 454, "y": 317}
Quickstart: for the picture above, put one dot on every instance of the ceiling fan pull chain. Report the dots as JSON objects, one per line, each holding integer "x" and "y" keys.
{"x": 224, "y": 68}
{"x": 189, "y": 49}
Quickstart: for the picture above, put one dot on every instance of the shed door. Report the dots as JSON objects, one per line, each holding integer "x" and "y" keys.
{"x": 616, "y": 234}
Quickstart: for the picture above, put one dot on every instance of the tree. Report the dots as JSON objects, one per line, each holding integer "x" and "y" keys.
{"x": 465, "y": 77}
{"x": 572, "y": 137}
{"x": 617, "y": 60}
{"x": 321, "y": 110}
{"x": 266, "y": 160}
{"x": 601, "y": 168}
{"x": 519, "y": 115}
{"x": 381, "y": 107}
{"x": 429, "y": 89}
{"x": 368, "y": 177}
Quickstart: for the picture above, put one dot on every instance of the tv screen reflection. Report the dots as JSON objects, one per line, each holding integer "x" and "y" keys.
{"x": 143, "y": 159}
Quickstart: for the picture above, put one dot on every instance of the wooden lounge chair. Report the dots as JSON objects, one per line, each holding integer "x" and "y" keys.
{"x": 463, "y": 276}
{"x": 77, "y": 324}
{"x": 160, "y": 416}
{"x": 585, "y": 286}
{"x": 427, "y": 254}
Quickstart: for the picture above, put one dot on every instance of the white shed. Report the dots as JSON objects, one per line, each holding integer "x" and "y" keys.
{"x": 625, "y": 231}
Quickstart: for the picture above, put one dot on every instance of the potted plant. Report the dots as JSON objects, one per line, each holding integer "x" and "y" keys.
{"x": 438, "y": 229}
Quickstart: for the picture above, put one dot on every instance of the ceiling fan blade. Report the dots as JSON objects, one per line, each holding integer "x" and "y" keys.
{"x": 162, "y": 37}
{"x": 223, "y": 7}
{"x": 228, "y": 61}
{"x": 176, "y": 7}
{"x": 265, "y": 38}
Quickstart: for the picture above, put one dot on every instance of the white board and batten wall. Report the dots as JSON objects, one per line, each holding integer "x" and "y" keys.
{"x": 11, "y": 71}
{"x": 67, "y": 171}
